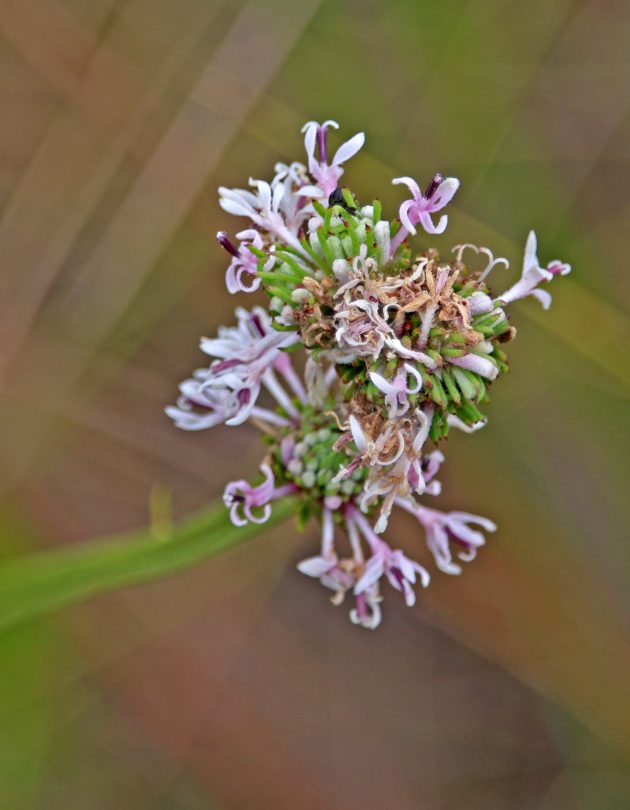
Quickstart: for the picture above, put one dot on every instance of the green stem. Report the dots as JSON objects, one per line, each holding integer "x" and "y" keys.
{"x": 42, "y": 582}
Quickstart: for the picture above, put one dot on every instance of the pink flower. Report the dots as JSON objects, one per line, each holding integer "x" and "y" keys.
{"x": 246, "y": 356}
{"x": 241, "y": 498}
{"x": 327, "y": 175}
{"x": 426, "y": 471}
{"x": 444, "y": 528}
{"x": 266, "y": 207}
{"x": 198, "y": 408}
{"x": 341, "y": 575}
{"x": 397, "y": 390}
{"x": 440, "y": 192}
{"x": 399, "y": 569}
{"x": 533, "y": 275}
{"x": 244, "y": 263}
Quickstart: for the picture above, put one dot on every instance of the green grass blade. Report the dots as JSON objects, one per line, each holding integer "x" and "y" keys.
{"x": 42, "y": 582}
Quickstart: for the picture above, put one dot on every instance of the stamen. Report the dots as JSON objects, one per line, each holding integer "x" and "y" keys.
{"x": 226, "y": 244}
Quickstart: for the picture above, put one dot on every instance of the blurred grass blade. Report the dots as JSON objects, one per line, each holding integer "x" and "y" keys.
{"x": 42, "y": 582}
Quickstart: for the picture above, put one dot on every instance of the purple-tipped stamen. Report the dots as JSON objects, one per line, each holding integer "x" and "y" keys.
{"x": 322, "y": 144}
{"x": 226, "y": 244}
{"x": 434, "y": 185}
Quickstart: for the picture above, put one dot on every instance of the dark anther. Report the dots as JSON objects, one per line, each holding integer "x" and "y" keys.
{"x": 226, "y": 244}
{"x": 433, "y": 186}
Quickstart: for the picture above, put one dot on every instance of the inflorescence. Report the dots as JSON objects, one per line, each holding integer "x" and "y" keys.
{"x": 400, "y": 346}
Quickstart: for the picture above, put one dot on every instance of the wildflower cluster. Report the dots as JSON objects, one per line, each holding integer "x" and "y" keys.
{"x": 399, "y": 347}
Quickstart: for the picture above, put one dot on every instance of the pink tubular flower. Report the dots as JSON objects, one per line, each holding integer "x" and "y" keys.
{"x": 246, "y": 356}
{"x": 199, "y": 408}
{"x": 244, "y": 264}
{"x": 532, "y": 275}
{"x": 440, "y": 192}
{"x": 397, "y": 390}
{"x": 266, "y": 208}
{"x": 444, "y": 528}
{"x": 327, "y": 175}
{"x": 241, "y": 498}
{"x": 399, "y": 569}
{"x": 326, "y": 566}
{"x": 426, "y": 471}
{"x": 340, "y": 576}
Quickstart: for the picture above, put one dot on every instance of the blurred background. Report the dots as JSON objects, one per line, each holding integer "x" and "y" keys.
{"x": 236, "y": 685}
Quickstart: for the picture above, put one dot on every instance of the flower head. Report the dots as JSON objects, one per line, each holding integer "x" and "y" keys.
{"x": 399, "y": 346}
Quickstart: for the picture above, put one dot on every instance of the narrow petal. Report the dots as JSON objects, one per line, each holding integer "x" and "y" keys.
{"x": 314, "y": 566}
{"x": 456, "y": 422}
{"x": 411, "y": 184}
{"x": 543, "y": 296}
{"x": 349, "y": 149}
{"x": 232, "y": 207}
{"x": 428, "y": 225}
{"x": 444, "y": 194}
{"x": 373, "y": 572}
{"x": 382, "y": 384}
{"x": 530, "y": 258}
{"x": 486, "y": 523}
{"x": 405, "y": 219}
{"x": 357, "y": 434}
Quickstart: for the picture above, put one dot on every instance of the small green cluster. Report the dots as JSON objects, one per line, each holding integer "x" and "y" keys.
{"x": 344, "y": 229}
{"x": 314, "y": 462}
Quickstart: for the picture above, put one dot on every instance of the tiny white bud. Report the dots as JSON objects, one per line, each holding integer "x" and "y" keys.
{"x": 295, "y": 466}
{"x": 308, "y": 479}
{"x": 300, "y": 295}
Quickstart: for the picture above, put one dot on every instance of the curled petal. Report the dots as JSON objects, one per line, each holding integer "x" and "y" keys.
{"x": 543, "y": 296}
{"x": 403, "y": 216}
{"x": 456, "y": 422}
{"x": 411, "y": 184}
{"x": 357, "y": 434}
{"x": 427, "y": 223}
